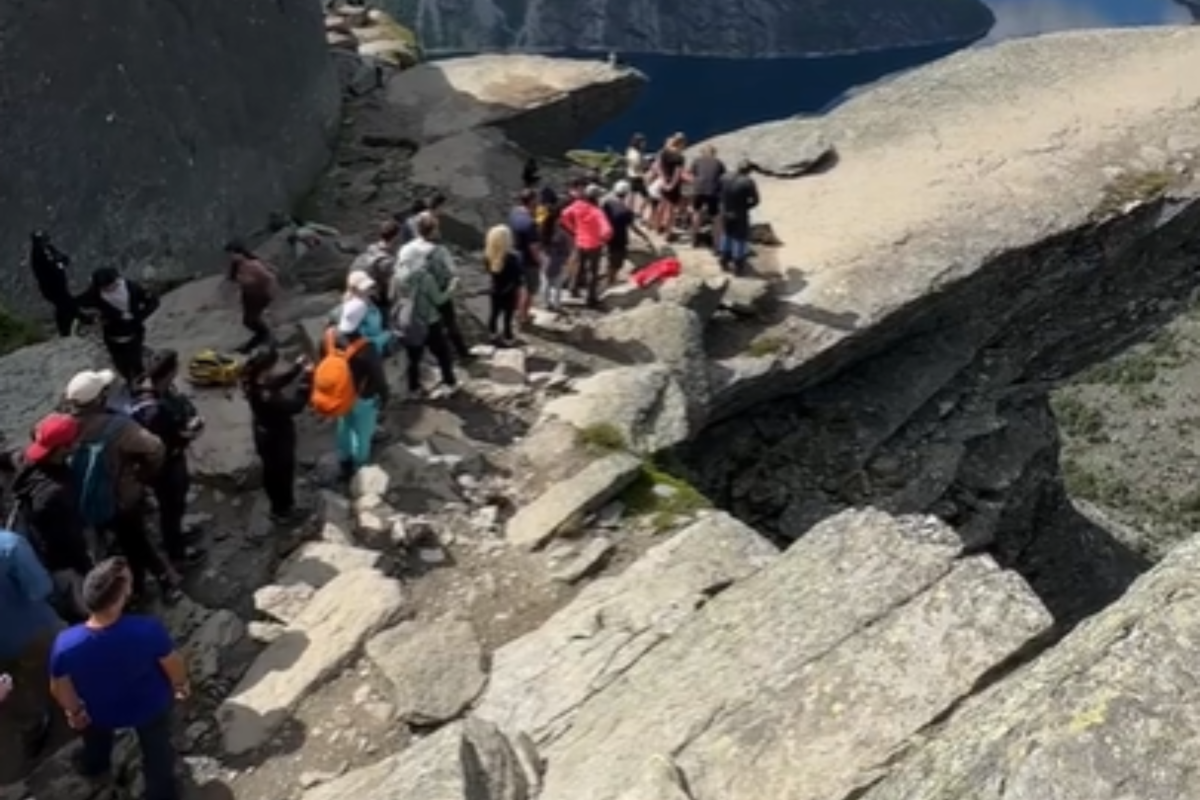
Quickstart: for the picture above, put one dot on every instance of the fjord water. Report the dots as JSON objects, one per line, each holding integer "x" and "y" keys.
{"x": 707, "y": 96}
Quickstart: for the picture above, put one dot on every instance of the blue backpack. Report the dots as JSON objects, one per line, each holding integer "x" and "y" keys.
{"x": 95, "y": 485}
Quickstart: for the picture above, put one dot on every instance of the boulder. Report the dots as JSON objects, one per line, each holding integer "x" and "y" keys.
{"x": 508, "y": 367}
{"x": 283, "y": 602}
{"x": 322, "y": 640}
{"x": 746, "y": 296}
{"x": 539, "y": 681}
{"x": 35, "y": 378}
{"x": 357, "y": 73}
{"x": 1107, "y": 714}
{"x": 468, "y": 760}
{"x": 163, "y": 203}
{"x": 315, "y": 564}
{"x": 436, "y": 668}
{"x": 572, "y": 562}
{"x": 662, "y": 332}
{"x": 545, "y": 105}
{"x": 789, "y": 147}
{"x": 702, "y": 297}
{"x": 801, "y": 680}
{"x": 645, "y": 403}
{"x": 206, "y": 646}
{"x": 566, "y": 504}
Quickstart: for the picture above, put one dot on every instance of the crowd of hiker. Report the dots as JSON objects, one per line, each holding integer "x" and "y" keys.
{"x": 99, "y": 494}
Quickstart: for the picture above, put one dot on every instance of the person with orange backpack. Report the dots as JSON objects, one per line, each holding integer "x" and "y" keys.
{"x": 350, "y": 385}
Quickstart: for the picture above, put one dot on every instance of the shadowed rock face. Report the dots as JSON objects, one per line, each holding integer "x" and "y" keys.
{"x": 933, "y": 305}
{"x": 145, "y": 134}
{"x": 759, "y": 27}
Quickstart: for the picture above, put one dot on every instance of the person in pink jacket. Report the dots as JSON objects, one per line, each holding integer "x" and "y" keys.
{"x": 590, "y": 229}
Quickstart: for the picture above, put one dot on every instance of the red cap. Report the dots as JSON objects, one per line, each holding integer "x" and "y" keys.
{"x": 55, "y": 432}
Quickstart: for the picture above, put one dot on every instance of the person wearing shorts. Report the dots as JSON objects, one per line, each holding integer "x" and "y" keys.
{"x": 706, "y": 173}
{"x": 670, "y": 168}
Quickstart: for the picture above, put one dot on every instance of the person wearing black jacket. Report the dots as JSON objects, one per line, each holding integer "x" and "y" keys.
{"x": 46, "y": 509}
{"x": 49, "y": 267}
{"x": 160, "y": 408}
{"x": 123, "y": 306}
{"x": 276, "y": 396}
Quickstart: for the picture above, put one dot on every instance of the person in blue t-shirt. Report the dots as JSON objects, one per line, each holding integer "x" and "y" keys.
{"x": 118, "y": 671}
{"x": 523, "y": 224}
{"x": 27, "y": 627}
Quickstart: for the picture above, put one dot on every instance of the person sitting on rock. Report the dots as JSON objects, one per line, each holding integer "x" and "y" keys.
{"x": 276, "y": 396}
{"x": 116, "y": 462}
{"x": 116, "y": 672}
{"x": 379, "y": 261}
{"x": 160, "y": 408}
{"x": 47, "y": 508}
{"x": 355, "y": 429}
{"x": 739, "y": 196}
{"x": 27, "y": 628}
{"x": 123, "y": 307}
{"x": 361, "y": 286}
{"x": 259, "y": 287}
{"x": 49, "y": 267}
{"x": 591, "y": 232}
{"x": 427, "y": 252}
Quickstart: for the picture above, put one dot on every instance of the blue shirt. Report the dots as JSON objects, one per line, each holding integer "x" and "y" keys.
{"x": 116, "y": 670}
{"x": 25, "y": 589}
{"x": 525, "y": 235}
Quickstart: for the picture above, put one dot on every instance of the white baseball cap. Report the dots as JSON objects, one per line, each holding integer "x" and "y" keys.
{"x": 354, "y": 311}
{"x": 622, "y": 188}
{"x": 360, "y": 281}
{"x": 87, "y": 386}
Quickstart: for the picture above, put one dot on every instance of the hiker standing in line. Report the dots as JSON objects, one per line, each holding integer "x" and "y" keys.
{"x": 591, "y": 231}
{"x": 408, "y": 221}
{"x": 47, "y": 509}
{"x": 504, "y": 265}
{"x": 350, "y": 385}
{"x": 361, "y": 286}
{"x": 623, "y": 221}
{"x": 427, "y": 252}
{"x": 123, "y": 306}
{"x": 119, "y": 671}
{"x": 739, "y": 196}
{"x": 28, "y": 625}
{"x": 669, "y": 168}
{"x": 159, "y": 407}
{"x": 116, "y": 462}
{"x": 559, "y": 247}
{"x": 259, "y": 287}
{"x": 706, "y": 173}
{"x": 276, "y": 397}
{"x": 379, "y": 261}
{"x": 49, "y": 267}
{"x": 635, "y": 174}
{"x": 523, "y": 225}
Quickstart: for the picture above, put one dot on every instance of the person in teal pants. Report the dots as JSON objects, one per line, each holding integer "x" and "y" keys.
{"x": 356, "y": 429}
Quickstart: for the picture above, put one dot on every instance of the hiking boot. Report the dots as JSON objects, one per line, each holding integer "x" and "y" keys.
{"x": 297, "y": 516}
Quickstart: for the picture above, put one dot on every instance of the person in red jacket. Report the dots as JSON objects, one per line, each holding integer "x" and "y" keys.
{"x": 590, "y": 229}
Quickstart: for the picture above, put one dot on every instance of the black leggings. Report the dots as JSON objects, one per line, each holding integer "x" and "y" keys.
{"x": 588, "y": 274}
{"x": 453, "y": 332}
{"x": 504, "y": 308}
{"x": 128, "y": 528}
{"x": 254, "y": 320}
{"x": 171, "y": 490}
{"x": 437, "y": 343}
{"x": 278, "y": 454}
{"x": 128, "y": 358}
{"x": 65, "y": 315}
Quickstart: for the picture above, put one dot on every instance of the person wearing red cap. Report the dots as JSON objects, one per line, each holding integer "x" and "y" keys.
{"x": 47, "y": 508}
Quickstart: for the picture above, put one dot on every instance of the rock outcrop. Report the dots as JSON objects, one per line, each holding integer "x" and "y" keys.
{"x": 762, "y": 28}
{"x": 145, "y": 136}
{"x": 919, "y": 335}
{"x": 1107, "y": 714}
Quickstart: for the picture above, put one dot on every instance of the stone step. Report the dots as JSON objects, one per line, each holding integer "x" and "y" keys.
{"x": 322, "y": 640}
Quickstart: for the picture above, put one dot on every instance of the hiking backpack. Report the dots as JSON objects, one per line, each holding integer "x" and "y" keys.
{"x": 333, "y": 389}
{"x": 208, "y": 368}
{"x": 91, "y": 473}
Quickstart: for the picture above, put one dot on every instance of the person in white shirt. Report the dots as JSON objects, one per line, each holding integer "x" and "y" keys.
{"x": 635, "y": 173}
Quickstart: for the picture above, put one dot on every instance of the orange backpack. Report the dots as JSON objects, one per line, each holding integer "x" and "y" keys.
{"x": 333, "y": 391}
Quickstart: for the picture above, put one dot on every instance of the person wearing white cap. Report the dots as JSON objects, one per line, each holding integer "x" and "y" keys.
{"x": 361, "y": 286}
{"x": 122, "y": 459}
{"x": 623, "y": 220}
{"x": 344, "y": 339}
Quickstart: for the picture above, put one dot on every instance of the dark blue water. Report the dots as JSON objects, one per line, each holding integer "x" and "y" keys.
{"x": 706, "y": 96}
